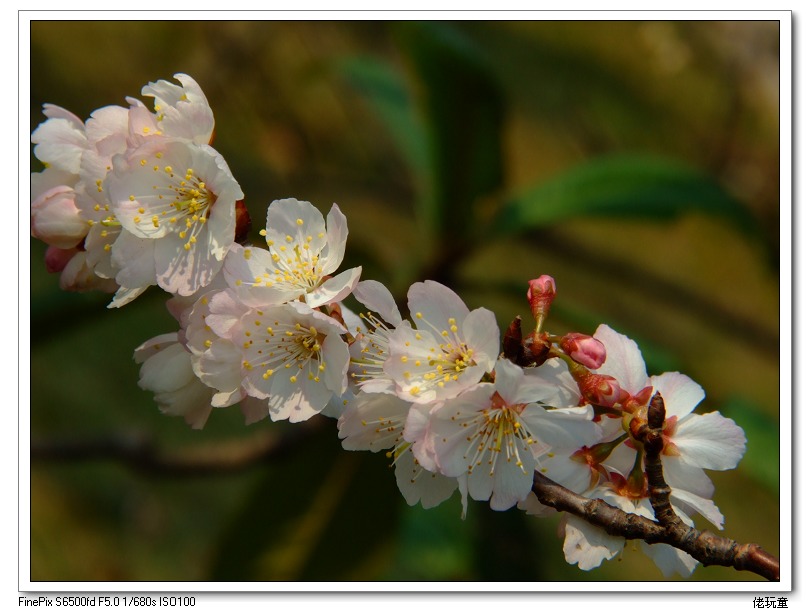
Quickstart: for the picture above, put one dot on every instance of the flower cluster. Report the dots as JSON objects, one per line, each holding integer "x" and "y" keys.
{"x": 133, "y": 198}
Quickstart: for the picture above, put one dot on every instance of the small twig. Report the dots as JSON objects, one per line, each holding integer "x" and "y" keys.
{"x": 141, "y": 453}
{"x": 668, "y": 528}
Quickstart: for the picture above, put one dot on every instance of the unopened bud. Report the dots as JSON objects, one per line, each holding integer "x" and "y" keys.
{"x": 599, "y": 389}
{"x": 584, "y": 349}
{"x": 542, "y": 291}
{"x": 56, "y": 259}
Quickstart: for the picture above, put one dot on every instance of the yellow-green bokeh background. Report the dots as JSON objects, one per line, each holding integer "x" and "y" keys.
{"x": 698, "y": 294}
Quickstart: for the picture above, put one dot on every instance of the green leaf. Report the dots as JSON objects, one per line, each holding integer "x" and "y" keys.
{"x": 321, "y": 514}
{"x": 386, "y": 91}
{"x": 621, "y": 186}
{"x": 761, "y": 459}
{"x": 463, "y": 110}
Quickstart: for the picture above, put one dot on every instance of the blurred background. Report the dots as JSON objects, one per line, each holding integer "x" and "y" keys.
{"x": 636, "y": 162}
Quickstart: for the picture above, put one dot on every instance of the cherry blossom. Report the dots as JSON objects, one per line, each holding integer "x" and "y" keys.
{"x": 494, "y": 434}
{"x": 175, "y": 200}
{"x": 449, "y": 349}
{"x": 302, "y": 252}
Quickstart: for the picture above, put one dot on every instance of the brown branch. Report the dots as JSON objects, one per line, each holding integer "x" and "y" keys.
{"x": 668, "y": 528}
{"x": 141, "y": 454}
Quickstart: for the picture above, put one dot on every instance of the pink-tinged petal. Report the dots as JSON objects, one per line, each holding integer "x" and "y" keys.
{"x": 56, "y": 220}
{"x": 225, "y": 310}
{"x": 432, "y": 305}
{"x": 336, "y": 234}
{"x": 709, "y": 441}
{"x": 695, "y": 503}
{"x": 681, "y": 394}
{"x": 624, "y": 361}
{"x": 587, "y": 546}
{"x": 334, "y": 289}
{"x": 419, "y": 485}
{"x": 377, "y": 298}
{"x": 480, "y": 332}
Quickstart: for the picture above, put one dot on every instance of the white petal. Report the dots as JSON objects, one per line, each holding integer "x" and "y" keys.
{"x": 417, "y": 484}
{"x": 372, "y": 421}
{"x": 588, "y": 546}
{"x": 624, "y": 361}
{"x": 680, "y": 393}
{"x": 336, "y": 234}
{"x": 710, "y": 441}
{"x": 282, "y": 221}
{"x": 436, "y": 304}
{"x": 377, "y": 298}
{"x": 695, "y": 503}
{"x": 334, "y": 289}
{"x": 670, "y": 560}
{"x": 480, "y": 332}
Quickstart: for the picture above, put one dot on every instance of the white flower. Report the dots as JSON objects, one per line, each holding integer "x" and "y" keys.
{"x": 587, "y": 545}
{"x": 182, "y": 111}
{"x": 60, "y": 140}
{"x": 450, "y": 349}
{"x": 55, "y": 218}
{"x": 176, "y": 202}
{"x": 370, "y": 350}
{"x": 692, "y": 442}
{"x": 291, "y": 356}
{"x": 166, "y": 371}
{"x": 302, "y": 252}
{"x": 375, "y": 422}
{"x": 494, "y": 434}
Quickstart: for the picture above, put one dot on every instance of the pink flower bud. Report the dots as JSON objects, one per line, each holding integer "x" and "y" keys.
{"x": 600, "y": 389}
{"x": 584, "y": 349}
{"x": 56, "y": 259}
{"x": 542, "y": 291}
{"x": 55, "y": 219}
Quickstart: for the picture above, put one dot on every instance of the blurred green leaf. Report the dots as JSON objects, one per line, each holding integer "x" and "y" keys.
{"x": 761, "y": 459}
{"x": 301, "y": 521}
{"x": 386, "y": 91}
{"x": 434, "y": 544}
{"x": 463, "y": 108}
{"x": 621, "y": 186}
